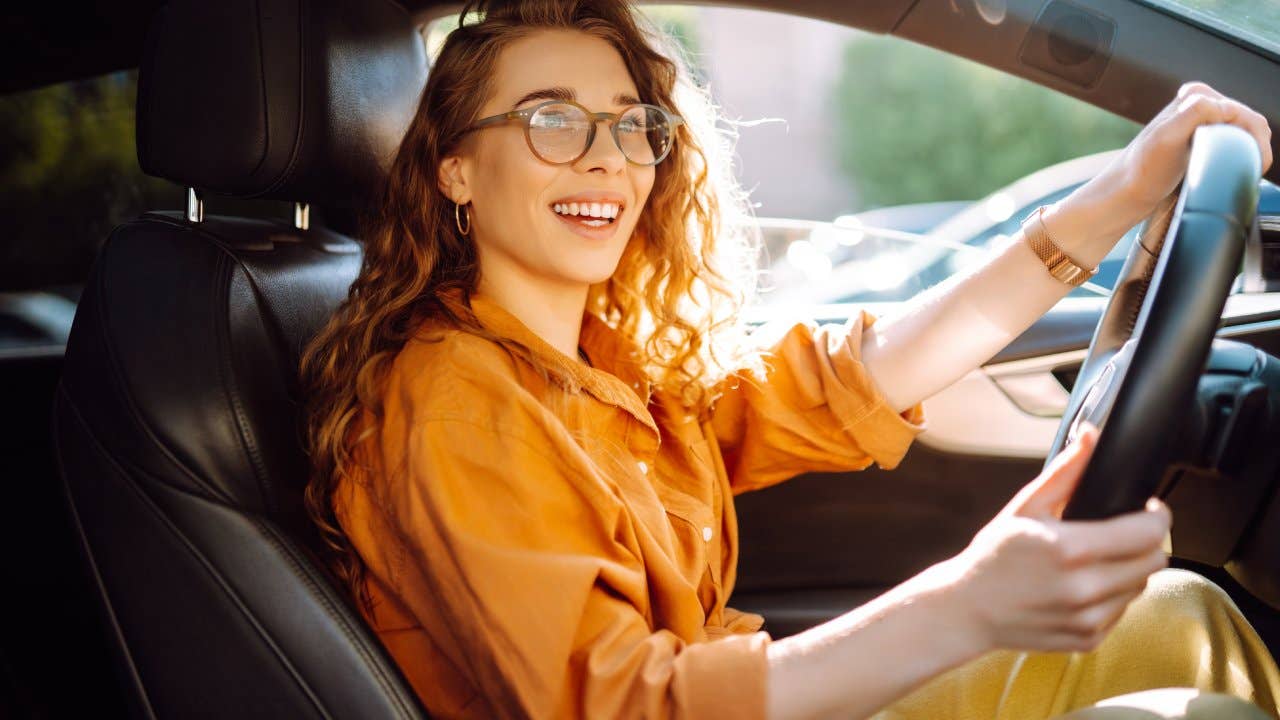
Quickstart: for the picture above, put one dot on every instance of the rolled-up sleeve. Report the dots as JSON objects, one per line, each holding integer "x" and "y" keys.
{"x": 518, "y": 562}
{"x": 815, "y": 409}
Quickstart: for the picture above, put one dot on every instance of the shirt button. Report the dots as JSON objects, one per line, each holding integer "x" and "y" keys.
{"x": 644, "y": 467}
{"x": 706, "y": 534}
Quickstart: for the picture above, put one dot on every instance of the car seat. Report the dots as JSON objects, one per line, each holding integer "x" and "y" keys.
{"x": 176, "y": 417}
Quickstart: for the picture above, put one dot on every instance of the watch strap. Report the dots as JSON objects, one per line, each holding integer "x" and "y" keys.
{"x": 1059, "y": 264}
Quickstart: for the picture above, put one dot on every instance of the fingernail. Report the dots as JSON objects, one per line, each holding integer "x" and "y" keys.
{"x": 1089, "y": 430}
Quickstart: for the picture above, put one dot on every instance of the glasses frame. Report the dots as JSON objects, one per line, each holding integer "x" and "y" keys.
{"x": 525, "y": 116}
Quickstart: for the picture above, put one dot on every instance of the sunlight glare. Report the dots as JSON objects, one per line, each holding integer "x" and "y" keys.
{"x": 1000, "y": 207}
{"x": 808, "y": 259}
{"x": 886, "y": 271}
{"x": 851, "y": 230}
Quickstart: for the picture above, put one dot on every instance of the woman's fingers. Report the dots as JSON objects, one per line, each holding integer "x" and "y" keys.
{"x": 1089, "y": 587}
{"x": 1198, "y": 104}
{"x": 1196, "y": 87}
{"x": 1045, "y": 496}
{"x": 1091, "y": 627}
{"x": 1117, "y": 538}
{"x": 1081, "y": 628}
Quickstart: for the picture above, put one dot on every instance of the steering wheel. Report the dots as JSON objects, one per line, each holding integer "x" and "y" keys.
{"x": 1150, "y": 347}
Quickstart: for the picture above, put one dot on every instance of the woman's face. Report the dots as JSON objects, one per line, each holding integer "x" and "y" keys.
{"x": 514, "y": 196}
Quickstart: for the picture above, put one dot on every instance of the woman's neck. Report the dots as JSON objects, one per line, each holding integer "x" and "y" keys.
{"x": 553, "y": 313}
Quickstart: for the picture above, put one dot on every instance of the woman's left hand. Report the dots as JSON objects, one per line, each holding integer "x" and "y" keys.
{"x": 1154, "y": 162}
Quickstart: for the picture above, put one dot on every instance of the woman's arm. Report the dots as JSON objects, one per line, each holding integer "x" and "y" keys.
{"x": 865, "y": 659}
{"x": 956, "y": 326}
{"x": 1027, "y": 581}
{"x": 961, "y": 323}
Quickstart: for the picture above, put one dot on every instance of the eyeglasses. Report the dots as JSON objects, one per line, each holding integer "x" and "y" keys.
{"x": 561, "y": 132}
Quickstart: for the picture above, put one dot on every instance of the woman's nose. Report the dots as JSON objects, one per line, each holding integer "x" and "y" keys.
{"x": 604, "y": 153}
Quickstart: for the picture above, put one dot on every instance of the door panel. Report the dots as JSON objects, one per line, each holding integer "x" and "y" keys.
{"x": 823, "y": 543}
{"x": 819, "y": 544}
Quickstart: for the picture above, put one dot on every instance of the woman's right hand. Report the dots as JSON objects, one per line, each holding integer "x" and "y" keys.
{"x": 1032, "y": 581}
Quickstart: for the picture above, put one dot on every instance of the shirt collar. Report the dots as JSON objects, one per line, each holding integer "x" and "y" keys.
{"x": 616, "y": 374}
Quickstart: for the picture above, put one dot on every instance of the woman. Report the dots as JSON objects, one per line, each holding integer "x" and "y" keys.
{"x": 530, "y": 417}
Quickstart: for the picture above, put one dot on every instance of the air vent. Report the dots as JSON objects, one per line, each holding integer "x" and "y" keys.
{"x": 1070, "y": 42}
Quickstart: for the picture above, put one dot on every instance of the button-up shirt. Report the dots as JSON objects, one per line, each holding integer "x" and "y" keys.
{"x": 567, "y": 548}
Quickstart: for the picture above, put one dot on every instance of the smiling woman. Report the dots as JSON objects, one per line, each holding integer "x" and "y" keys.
{"x": 530, "y": 418}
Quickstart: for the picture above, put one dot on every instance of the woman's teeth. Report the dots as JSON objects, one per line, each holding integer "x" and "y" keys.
{"x": 593, "y": 214}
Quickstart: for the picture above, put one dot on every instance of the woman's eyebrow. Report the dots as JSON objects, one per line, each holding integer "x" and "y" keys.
{"x": 564, "y": 93}
{"x": 551, "y": 93}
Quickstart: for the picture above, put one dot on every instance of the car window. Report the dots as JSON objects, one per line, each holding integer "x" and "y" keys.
{"x": 880, "y": 141}
{"x": 1255, "y": 22}
{"x": 69, "y": 169}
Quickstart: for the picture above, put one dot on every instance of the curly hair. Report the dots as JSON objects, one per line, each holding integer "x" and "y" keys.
{"x": 677, "y": 292}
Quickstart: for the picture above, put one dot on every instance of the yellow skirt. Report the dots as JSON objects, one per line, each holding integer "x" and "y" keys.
{"x": 1182, "y": 632}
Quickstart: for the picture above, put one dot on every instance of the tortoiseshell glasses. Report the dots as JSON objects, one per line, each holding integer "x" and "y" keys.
{"x": 561, "y": 132}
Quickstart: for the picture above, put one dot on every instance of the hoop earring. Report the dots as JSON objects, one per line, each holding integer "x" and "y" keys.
{"x": 457, "y": 219}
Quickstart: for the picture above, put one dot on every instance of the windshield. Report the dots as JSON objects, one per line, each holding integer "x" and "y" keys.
{"x": 1256, "y": 22}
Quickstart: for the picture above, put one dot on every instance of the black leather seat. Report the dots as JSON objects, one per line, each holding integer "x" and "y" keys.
{"x": 176, "y": 416}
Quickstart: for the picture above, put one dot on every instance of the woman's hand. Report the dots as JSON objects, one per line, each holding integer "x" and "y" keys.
{"x": 1154, "y": 162}
{"x": 1032, "y": 581}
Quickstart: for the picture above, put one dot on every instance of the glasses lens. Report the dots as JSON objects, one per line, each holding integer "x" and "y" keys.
{"x": 558, "y": 132}
{"x": 643, "y": 134}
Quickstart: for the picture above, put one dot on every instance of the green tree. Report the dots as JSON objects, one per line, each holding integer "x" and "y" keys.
{"x": 919, "y": 125}
{"x": 69, "y": 173}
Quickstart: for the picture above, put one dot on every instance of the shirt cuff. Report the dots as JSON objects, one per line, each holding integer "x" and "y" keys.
{"x": 724, "y": 678}
{"x": 881, "y": 432}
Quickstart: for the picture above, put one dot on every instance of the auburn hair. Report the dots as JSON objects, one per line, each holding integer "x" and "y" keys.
{"x": 677, "y": 292}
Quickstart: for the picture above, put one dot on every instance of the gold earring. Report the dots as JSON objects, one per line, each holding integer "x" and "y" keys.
{"x": 457, "y": 219}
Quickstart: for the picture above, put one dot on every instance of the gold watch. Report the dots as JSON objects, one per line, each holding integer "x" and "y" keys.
{"x": 1061, "y": 267}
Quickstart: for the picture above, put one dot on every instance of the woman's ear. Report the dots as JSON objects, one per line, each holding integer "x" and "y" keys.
{"x": 452, "y": 180}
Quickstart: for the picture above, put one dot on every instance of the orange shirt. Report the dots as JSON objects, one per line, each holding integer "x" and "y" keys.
{"x": 567, "y": 550}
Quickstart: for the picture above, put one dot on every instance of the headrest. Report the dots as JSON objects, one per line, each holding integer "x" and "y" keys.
{"x": 299, "y": 100}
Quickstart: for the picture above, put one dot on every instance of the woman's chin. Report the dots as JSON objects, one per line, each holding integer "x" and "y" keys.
{"x": 591, "y": 276}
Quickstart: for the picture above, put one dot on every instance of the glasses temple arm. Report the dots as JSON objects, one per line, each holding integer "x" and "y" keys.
{"x": 497, "y": 119}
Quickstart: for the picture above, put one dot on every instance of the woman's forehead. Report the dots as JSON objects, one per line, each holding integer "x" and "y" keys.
{"x": 567, "y": 61}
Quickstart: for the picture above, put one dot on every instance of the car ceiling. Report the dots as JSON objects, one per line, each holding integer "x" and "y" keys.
{"x": 50, "y": 42}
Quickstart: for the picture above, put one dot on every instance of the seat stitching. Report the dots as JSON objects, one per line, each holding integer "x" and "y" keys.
{"x": 117, "y": 632}
{"x": 122, "y": 384}
{"x": 226, "y": 373}
{"x": 286, "y": 547}
{"x": 195, "y": 553}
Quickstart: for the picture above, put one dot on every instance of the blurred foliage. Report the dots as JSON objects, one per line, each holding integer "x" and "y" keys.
{"x": 680, "y": 23}
{"x": 69, "y": 173}
{"x": 920, "y": 125}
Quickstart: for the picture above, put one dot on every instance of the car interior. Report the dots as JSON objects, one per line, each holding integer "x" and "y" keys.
{"x": 161, "y": 555}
